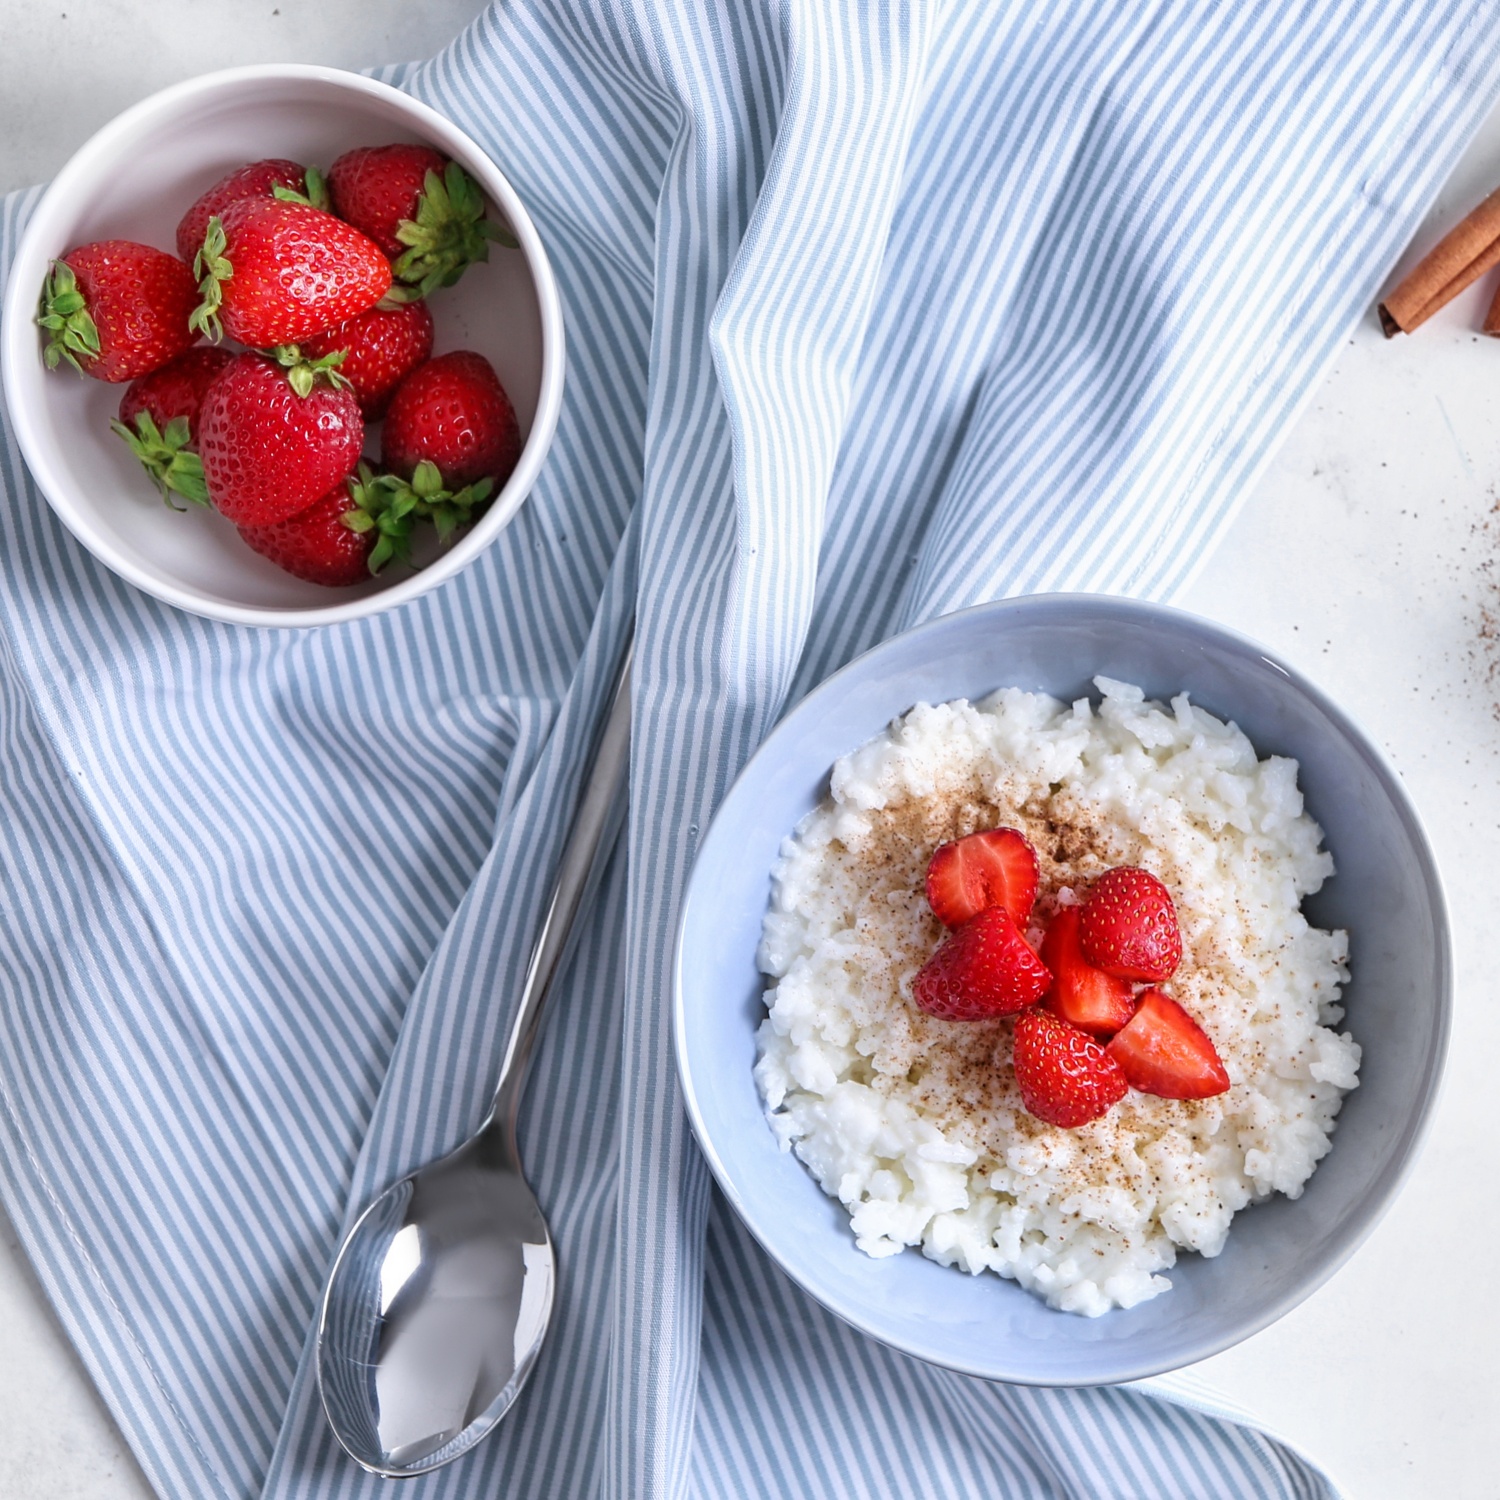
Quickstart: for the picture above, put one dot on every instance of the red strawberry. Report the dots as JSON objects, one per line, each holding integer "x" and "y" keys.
{"x": 116, "y": 309}
{"x": 381, "y": 347}
{"x": 329, "y": 543}
{"x": 258, "y": 179}
{"x": 159, "y": 420}
{"x": 175, "y": 390}
{"x": 376, "y": 188}
{"x": 420, "y": 208}
{"x": 1129, "y": 926}
{"x": 1162, "y": 1050}
{"x": 452, "y": 412}
{"x": 995, "y": 868}
{"x": 1066, "y": 1078}
{"x": 982, "y": 970}
{"x": 276, "y": 272}
{"x": 275, "y": 439}
{"x": 1087, "y": 997}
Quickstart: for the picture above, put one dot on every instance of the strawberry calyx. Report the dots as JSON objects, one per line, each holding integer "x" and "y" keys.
{"x": 427, "y": 498}
{"x": 384, "y": 508}
{"x": 313, "y": 195}
{"x": 166, "y": 457}
{"x": 449, "y": 233}
{"x": 303, "y": 374}
{"x": 63, "y": 313}
{"x": 211, "y": 266}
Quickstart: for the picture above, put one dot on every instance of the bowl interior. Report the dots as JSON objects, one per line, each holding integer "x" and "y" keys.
{"x": 134, "y": 181}
{"x": 1386, "y": 893}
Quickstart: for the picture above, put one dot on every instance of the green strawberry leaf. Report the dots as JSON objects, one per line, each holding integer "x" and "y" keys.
{"x": 392, "y": 505}
{"x": 303, "y": 374}
{"x": 378, "y": 507}
{"x": 63, "y": 315}
{"x": 449, "y": 233}
{"x": 174, "y": 468}
{"x": 314, "y": 194}
{"x": 212, "y": 267}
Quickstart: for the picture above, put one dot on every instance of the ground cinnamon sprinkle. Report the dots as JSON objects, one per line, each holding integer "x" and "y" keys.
{"x": 1484, "y": 651}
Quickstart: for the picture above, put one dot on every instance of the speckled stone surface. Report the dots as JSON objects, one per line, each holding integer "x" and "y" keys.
{"x": 1368, "y": 556}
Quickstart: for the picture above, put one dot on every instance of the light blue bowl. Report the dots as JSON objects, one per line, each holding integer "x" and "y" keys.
{"x": 1386, "y": 893}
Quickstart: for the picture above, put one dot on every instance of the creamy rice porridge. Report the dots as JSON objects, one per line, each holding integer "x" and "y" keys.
{"x": 916, "y": 1124}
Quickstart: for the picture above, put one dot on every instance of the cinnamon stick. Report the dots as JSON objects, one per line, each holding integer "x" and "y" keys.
{"x": 1492, "y": 317}
{"x": 1463, "y": 255}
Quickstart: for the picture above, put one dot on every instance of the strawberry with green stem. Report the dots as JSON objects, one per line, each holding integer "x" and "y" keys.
{"x": 274, "y": 177}
{"x": 421, "y": 208}
{"x": 277, "y": 433}
{"x": 116, "y": 310}
{"x": 159, "y": 421}
{"x": 342, "y": 538}
{"x": 275, "y": 272}
{"x": 425, "y": 497}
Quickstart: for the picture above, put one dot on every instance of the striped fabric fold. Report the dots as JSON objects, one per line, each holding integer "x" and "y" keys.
{"x": 876, "y": 308}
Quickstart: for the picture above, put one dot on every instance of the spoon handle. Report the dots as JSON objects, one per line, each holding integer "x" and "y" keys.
{"x": 596, "y": 823}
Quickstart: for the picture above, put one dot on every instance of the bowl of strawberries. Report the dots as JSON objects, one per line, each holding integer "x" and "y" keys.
{"x": 282, "y": 346}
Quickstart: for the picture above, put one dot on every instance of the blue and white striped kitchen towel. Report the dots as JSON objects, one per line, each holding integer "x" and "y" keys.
{"x": 877, "y": 308}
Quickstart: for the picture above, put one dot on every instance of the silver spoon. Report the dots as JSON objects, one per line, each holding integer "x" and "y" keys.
{"x": 438, "y": 1303}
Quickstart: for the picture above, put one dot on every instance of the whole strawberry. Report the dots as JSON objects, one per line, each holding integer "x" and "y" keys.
{"x": 159, "y": 421}
{"x": 454, "y": 413}
{"x": 340, "y": 539}
{"x": 381, "y": 347}
{"x": 420, "y": 208}
{"x": 378, "y": 188}
{"x": 1128, "y": 926}
{"x": 276, "y": 434}
{"x": 1066, "y": 1078}
{"x": 115, "y": 310}
{"x": 276, "y": 272}
{"x": 257, "y": 179}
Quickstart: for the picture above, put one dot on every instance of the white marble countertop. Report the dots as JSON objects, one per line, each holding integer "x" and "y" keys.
{"x": 1368, "y": 556}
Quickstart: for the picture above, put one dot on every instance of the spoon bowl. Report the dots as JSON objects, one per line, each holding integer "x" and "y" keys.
{"x": 436, "y": 1309}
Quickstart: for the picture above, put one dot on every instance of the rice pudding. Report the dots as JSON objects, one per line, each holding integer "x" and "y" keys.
{"x": 916, "y": 1124}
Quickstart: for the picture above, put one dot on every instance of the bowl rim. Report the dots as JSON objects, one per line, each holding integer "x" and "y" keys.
{"x": 1357, "y": 1226}
{"x": 37, "y": 240}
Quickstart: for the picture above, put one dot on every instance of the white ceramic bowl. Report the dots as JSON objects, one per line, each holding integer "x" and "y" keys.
{"x": 1386, "y": 893}
{"x": 134, "y": 180}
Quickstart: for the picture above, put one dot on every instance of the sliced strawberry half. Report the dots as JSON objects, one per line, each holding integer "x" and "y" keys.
{"x": 1129, "y": 926}
{"x": 995, "y": 868}
{"x": 1162, "y": 1050}
{"x": 982, "y": 970}
{"x": 1087, "y": 997}
{"x": 1066, "y": 1078}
